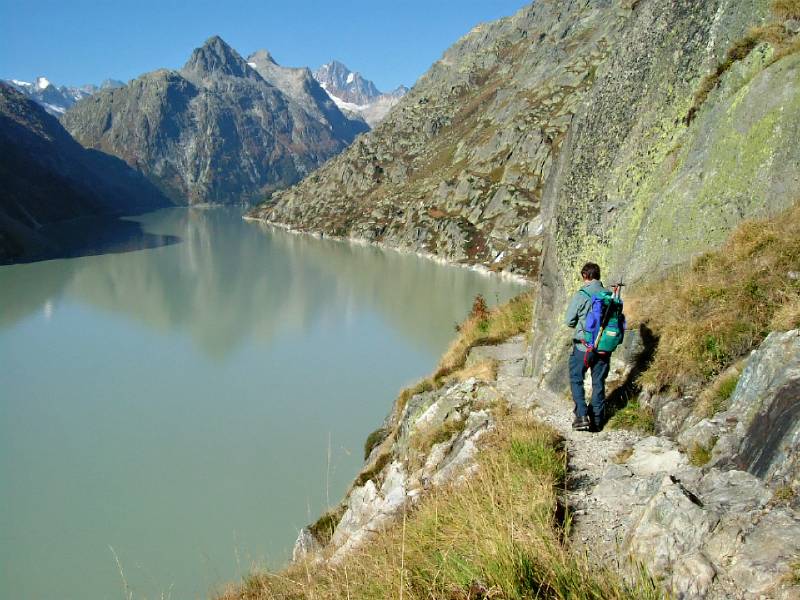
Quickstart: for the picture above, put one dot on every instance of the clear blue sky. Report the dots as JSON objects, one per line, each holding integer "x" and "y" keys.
{"x": 81, "y": 41}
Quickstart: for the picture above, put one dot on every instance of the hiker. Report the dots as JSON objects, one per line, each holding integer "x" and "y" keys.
{"x": 605, "y": 328}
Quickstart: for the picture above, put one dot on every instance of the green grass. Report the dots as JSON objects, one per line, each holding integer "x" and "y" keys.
{"x": 633, "y": 416}
{"x": 497, "y": 535}
{"x": 700, "y": 455}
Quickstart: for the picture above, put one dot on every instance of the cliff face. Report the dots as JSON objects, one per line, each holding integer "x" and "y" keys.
{"x": 46, "y": 177}
{"x": 637, "y": 189}
{"x": 458, "y": 167}
{"x": 565, "y": 127}
{"x": 215, "y": 131}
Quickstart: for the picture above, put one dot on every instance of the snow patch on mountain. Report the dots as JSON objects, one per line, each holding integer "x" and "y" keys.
{"x": 353, "y": 93}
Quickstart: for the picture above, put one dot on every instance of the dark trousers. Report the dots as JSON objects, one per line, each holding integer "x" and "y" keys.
{"x": 598, "y": 363}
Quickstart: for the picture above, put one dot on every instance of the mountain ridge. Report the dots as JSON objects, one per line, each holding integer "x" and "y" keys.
{"x": 214, "y": 131}
{"x": 48, "y": 178}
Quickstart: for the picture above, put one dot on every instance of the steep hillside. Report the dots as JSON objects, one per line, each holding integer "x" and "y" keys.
{"x": 46, "y": 177}
{"x": 458, "y": 167}
{"x": 215, "y": 131}
{"x": 568, "y": 120}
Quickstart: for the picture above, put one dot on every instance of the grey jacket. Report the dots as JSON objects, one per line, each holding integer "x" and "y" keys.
{"x": 579, "y": 307}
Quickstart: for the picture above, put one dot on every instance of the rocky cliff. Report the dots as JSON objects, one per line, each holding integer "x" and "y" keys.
{"x": 46, "y": 177}
{"x": 215, "y": 131}
{"x": 566, "y": 126}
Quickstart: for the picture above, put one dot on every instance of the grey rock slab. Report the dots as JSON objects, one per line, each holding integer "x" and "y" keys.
{"x": 656, "y": 455}
{"x": 763, "y": 420}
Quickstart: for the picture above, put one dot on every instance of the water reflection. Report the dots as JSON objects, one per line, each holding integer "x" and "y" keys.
{"x": 197, "y": 402}
{"x": 227, "y": 280}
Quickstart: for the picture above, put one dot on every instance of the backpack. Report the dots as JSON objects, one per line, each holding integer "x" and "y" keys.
{"x": 606, "y": 316}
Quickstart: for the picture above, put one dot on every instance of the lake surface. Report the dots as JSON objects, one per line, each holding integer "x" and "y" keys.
{"x": 175, "y": 414}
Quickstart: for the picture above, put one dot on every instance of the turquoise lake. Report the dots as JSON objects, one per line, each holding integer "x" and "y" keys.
{"x": 171, "y": 416}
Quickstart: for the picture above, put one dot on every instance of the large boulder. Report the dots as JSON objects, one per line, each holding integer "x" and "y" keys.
{"x": 760, "y": 431}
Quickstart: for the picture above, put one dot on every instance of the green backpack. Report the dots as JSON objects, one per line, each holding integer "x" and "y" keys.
{"x": 605, "y": 322}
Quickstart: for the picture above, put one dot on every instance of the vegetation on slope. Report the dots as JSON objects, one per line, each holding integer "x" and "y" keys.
{"x": 712, "y": 314}
{"x": 773, "y": 33}
{"x": 502, "y": 534}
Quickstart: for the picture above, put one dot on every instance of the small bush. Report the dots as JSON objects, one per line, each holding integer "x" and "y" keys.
{"x": 324, "y": 527}
{"x": 494, "y": 326}
{"x": 373, "y": 440}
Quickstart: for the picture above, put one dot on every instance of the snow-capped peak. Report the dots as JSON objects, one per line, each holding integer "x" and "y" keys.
{"x": 350, "y": 77}
{"x": 42, "y": 82}
{"x": 21, "y": 83}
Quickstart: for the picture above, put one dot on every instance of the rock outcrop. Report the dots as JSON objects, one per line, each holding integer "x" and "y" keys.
{"x": 434, "y": 440}
{"x": 712, "y": 532}
{"x": 215, "y": 131}
{"x": 47, "y": 178}
{"x": 715, "y": 531}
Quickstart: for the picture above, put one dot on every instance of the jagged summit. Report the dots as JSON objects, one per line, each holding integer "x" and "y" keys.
{"x": 216, "y": 57}
{"x": 261, "y": 57}
{"x": 349, "y": 86}
{"x": 218, "y": 130}
{"x": 355, "y": 94}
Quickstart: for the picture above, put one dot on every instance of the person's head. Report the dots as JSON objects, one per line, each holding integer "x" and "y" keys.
{"x": 590, "y": 271}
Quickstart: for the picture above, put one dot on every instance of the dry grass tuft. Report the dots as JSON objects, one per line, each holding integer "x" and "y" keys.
{"x": 485, "y": 327}
{"x": 711, "y": 315}
{"x": 498, "y": 535}
{"x": 786, "y": 9}
{"x": 714, "y": 398}
{"x": 485, "y": 371}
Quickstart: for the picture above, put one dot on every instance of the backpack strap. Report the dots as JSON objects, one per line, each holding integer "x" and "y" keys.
{"x": 588, "y": 295}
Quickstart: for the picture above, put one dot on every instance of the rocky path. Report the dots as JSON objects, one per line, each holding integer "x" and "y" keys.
{"x": 704, "y": 532}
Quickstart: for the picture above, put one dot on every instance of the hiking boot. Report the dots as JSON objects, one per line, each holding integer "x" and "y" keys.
{"x": 581, "y": 424}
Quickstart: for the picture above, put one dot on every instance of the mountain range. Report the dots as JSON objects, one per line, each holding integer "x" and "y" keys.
{"x": 355, "y": 94}
{"x": 218, "y": 130}
{"x": 57, "y": 99}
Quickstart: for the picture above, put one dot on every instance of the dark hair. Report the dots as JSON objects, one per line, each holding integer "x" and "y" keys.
{"x": 591, "y": 271}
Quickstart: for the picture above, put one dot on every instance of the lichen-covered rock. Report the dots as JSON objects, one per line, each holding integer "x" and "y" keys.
{"x": 760, "y": 431}
{"x": 637, "y": 189}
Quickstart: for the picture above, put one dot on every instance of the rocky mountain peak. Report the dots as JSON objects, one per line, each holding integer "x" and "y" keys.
{"x": 348, "y": 86}
{"x": 216, "y": 57}
{"x": 261, "y": 57}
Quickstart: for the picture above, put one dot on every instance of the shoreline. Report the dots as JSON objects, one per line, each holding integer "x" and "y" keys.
{"x": 477, "y": 267}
